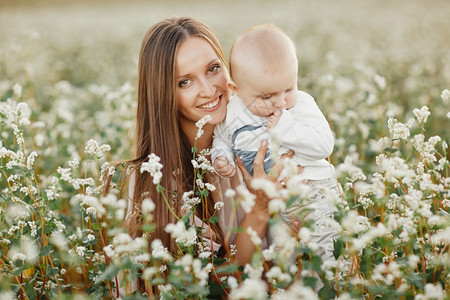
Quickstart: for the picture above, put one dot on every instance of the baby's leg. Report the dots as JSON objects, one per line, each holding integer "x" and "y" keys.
{"x": 319, "y": 209}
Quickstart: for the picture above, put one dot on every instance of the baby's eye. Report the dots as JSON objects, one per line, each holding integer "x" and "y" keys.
{"x": 184, "y": 83}
{"x": 266, "y": 97}
{"x": 214, "y": 68}
{"x": 289, "y": 90}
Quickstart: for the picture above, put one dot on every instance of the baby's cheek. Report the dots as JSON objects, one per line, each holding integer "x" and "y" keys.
{"x": 290, "y": 101}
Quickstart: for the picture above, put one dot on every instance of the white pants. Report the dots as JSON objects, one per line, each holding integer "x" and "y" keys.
{"x": 318, "y": 208}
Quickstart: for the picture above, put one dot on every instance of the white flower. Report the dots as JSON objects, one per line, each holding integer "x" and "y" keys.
{"x": 250, "y": 289}
{"x": 230, "y": 193}
{"x": 153, "y": 166}
{"x": 93, "y": 204}
{"x": 442, "y": 236}
{"x": 109, "y": 251}
{"x": 413, "y": 260}
{"x": 17, "y": 89}
{"x": 297, "y": 291}
{"x": 7, "y": 295}
{"x": 210, "y": 187}
{"x": 149, "y": 272}
{"x": 254, "y": 236}
{"x": 232, "y": 282}
{"x": 30, "y": 159}
{"x": 80, "y": 250}
{"x": 200, "y": 125}
{"x": 434, "y": 292}
{"x": 73, "y": 163}
{"x": 65, "y": 173}
{"x": 421, "y": 114}
{"x": 445, "y": 96}
{"x": 276, "y": 206}
{"x": 159, "y": 251}
{"x": 181, "y": 235}
{"x": 92, "y": 148}
{"x": 380, "y": 81}
{"x": 398, "y": 130}
{"x": 218, "y": 205}
{"x": 147, "y": 206}
{"x": 203, "y": 121}
{"x": 247, "y": 199}
{"x": 18, "y": 256}
{"x": 266, "y": 185}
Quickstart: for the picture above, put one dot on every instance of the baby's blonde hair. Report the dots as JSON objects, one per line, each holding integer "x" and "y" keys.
{"x": 265, "y": 45}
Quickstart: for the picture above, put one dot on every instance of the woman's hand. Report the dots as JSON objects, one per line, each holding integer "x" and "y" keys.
{"x": 259, "y": 217}
{"x": 258, "y": 167}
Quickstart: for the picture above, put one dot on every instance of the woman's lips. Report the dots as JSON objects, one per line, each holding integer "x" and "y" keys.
{"x": 211, "y": 105}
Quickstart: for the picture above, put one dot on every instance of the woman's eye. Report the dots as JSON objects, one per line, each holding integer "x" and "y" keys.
{"x": 184, "y": 83}
{"x": 214, "y": 68}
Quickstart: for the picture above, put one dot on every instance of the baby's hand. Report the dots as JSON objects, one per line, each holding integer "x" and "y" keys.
{"x": 224, "y": 167}
{"x": 273, "y": 119}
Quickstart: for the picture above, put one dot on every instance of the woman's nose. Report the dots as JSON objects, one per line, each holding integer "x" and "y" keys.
{"x": 207, "y": 89}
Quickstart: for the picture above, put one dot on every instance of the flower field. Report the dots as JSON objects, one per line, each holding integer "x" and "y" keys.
{"x": 379, "y": 71}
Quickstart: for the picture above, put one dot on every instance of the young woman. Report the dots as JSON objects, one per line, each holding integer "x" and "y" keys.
{"x": 182, "y": 78}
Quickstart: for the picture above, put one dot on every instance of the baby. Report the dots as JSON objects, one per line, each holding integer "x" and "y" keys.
{"x": 263, "y": 68}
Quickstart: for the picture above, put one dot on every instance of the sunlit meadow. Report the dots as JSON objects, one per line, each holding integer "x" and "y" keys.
{"x": 380, "y": 72}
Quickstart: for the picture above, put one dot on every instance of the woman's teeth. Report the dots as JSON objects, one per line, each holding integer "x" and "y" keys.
{"x": 210, "y": 105}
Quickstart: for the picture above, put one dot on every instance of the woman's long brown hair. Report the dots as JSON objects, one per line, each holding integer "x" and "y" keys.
{"x": 158, "y": 126}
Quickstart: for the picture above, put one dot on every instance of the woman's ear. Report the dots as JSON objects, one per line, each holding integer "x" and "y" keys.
{"x": 232, "y": 86}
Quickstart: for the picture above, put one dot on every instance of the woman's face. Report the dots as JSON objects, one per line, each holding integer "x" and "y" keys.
{"x": 201, "y": 81}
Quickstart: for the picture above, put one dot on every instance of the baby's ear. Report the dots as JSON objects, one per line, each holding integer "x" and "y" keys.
{"x": 232, "y": 86}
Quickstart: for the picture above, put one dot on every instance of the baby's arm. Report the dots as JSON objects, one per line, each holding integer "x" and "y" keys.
{"x": 304, "y": 129}
{"x": 221, "y": 153}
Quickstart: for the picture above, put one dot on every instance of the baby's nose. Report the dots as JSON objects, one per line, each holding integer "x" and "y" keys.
{"x": 279, "y": 102}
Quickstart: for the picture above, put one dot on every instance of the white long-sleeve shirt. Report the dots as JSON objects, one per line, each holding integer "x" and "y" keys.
{"x": 302, "y": 128}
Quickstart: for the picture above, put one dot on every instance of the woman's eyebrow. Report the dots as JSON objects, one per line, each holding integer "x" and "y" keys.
{"x": 211, "y": 62}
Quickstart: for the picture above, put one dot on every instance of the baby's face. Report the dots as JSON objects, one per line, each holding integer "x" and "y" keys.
{"x": 269, "y": 90}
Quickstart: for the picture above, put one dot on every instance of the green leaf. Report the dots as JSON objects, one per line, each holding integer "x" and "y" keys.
{"x": 159, "y": 188}
{"x": 136, "y": 296}
{"x": 52, "y": 271}
{"x": 326, "y": 292}
{"x": 158, "y": 281}
{"x": 214, "y": 219}
{"x": 256, "y": 258}
{"x": 215, "y": 290}
{"x": 197, "y": 290}
{"x": 148, "y": 227}
{"x": 17, "y": 271}
{"x": 338, "y": 247}
{"x": 316, "y": 263}
{"x": 310, "y": 281}
{"x": 228, "y": 269}
{"x": 109, "y": 274}
{"x": 186, "y": 217}
{"x": 415, "y": 279}
{"x": 291, "y": 200}
{"x": 176, "y": 281}
{"x": 236, "y": 229}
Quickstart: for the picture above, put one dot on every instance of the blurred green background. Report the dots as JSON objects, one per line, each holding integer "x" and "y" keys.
{"x": 363, "y": 61}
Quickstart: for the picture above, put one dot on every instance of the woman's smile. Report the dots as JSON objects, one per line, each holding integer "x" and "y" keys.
{"x": 212, "y": 105}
